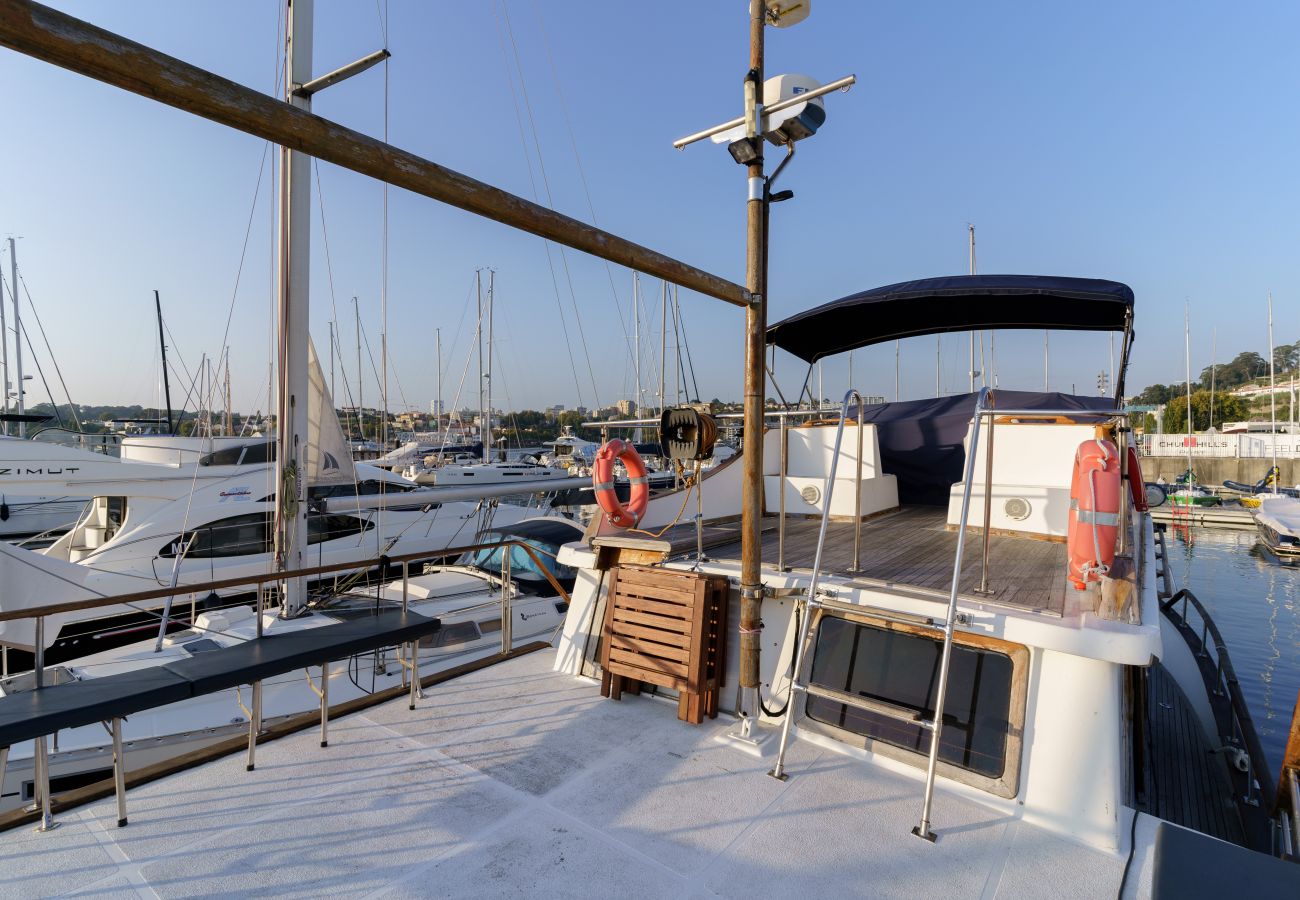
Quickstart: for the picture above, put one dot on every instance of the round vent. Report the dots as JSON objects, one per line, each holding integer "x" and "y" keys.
{"x": 811, "y": 494}
{"x": 1017, "y": 508}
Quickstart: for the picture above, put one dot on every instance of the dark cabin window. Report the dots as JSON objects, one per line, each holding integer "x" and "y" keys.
{"x": 241, "y": 454}
{"x": 330, "y": 528}
{"x": 902, "y": 669}
{"x": 235, "y": 536}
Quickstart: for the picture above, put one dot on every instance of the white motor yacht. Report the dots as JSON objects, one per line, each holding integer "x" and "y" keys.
{"x": 1277, "y": 518}
{"x": 465, "y": 596}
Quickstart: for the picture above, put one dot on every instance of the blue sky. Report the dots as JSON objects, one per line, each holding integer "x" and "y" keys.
{"x": 1148, "y": 143}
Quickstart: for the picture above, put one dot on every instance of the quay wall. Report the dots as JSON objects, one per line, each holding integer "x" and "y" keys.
{"x": 1213, "y": 471}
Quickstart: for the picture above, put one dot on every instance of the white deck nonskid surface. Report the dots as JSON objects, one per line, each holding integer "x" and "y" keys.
{"x": 515, "y": 781}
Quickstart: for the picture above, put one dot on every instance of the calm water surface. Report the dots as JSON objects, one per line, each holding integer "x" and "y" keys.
{"x": 1255, "y": 601}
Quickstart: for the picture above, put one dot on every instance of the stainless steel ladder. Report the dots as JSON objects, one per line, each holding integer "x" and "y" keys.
{"x": 802, "y": 669}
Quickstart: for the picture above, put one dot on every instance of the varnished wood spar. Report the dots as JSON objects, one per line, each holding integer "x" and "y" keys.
{"x": 54, "y": 37}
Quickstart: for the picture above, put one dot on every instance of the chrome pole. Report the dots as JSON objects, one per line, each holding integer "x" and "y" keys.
{"x": 778, "y": 770}
{"x": 415, "y": 673}
{"x": 42, "y": 760}
{"x": 936, "y": 728}
{"x": 254, "y": 726}
{"x": 988, "y": 506}
{"x": 325, "y": 704}
{"x": 507, "y": 614}
{"x": 857, "y": 497}
{"x": 780, "y": 519}
{"x": 406, "y": 588}
{"x": 119, "y": 773}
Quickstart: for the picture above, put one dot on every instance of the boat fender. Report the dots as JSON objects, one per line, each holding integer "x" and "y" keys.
{"x": 4, "y": 510}
{"x": 602, "y": 482}
{"x": 1094, "y": 511}
{"x": 1137, "y": 487}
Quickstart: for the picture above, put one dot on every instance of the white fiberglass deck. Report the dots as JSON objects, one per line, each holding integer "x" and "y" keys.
{"x": 515, "y": 781}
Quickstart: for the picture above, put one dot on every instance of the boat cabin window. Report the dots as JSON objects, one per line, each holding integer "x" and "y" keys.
{"x": 901, "y": 668}
{"x": 331, "y": 528}
{"x": 235, "y": 536}
{"x": 366, "y": 488}
{"x": 240, "y": 455}
{"x": 255, "y": 533}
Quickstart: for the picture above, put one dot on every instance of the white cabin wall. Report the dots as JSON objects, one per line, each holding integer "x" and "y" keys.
{"x": 1072, "y": 773}
{"x": 1031, "y": 461}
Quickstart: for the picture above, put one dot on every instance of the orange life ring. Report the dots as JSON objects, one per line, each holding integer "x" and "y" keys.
{"x": 602, "y": 480}
{"x": 1094, "y": 511}
{"x": 1136, "y": 485}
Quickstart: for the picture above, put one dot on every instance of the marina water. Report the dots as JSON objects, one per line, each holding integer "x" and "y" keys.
{"x": 1255, "y": 601}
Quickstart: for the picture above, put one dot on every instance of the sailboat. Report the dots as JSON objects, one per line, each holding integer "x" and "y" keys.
{"x": 1187, "y": 492}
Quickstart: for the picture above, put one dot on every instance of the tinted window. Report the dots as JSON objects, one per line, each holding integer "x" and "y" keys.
{"x": 235, "y": 536}
{"x": 329, "y": 528}
{"x": 903, "y": 669}
{"x": 241, "y": 454}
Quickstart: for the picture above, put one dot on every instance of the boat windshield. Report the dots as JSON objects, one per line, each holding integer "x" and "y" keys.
{"x": 522, "y": 566}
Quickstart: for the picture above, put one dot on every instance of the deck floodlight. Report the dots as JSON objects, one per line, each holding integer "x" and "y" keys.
{"x": 745, "y": 150}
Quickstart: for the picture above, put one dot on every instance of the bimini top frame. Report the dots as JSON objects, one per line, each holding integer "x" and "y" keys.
{"x": 958, "y": 303}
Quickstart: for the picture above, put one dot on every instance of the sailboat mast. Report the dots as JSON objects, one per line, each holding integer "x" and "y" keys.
{"x": 162, "y": 349}
{"x": 972, "y": 334}
{"x": 478, "y": 342}
{"x": 18, "y": 335}
{"x": 1214, "y": 352}
{"x": 487, "y": 421}
{"x": 361, "y": 416}
{"x": 1272, "y": 384}
{"x": 677, "y": 348}
{"x": 663, "y": 345}
{"x": 437, "y": 422}
{"x": 1187, "y": 362}
{"x": 636, "y": 341}
{"x": 4, "y": 353}
{"x": 294, "y": 268}
{"x": 230, "y": 422}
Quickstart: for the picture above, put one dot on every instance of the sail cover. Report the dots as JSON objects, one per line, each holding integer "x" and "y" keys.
{"x": 954, "y": 303}
{"x": 329, "y": 460}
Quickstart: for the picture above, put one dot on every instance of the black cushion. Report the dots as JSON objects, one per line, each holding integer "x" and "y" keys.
{"x": 276, "y": 654}
{"x": 1189, "y": 864}
{"x": 31, "y": 714}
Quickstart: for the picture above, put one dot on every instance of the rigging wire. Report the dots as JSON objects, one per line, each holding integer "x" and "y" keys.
{"x": 532, "y": 182}
{"x": 53, "y": 359}
{"x": 541, "y": 165}
{"x": 577, "y": 158}
{"x": 41, "y": 372}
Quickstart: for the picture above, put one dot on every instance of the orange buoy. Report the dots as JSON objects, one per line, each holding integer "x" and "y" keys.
{"x": 1094, "y": 511}
{"x": 1136, "y": 485}
{"x": 602, "y": 480}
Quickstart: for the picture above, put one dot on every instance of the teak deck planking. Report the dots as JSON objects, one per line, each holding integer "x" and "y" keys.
{"x": 913, "y": 547}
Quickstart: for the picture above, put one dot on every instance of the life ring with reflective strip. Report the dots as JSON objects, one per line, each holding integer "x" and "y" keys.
{"x": 1137, "y": 487}
{"x": 602, "y": 480}
{"x": 1094, "y": 511}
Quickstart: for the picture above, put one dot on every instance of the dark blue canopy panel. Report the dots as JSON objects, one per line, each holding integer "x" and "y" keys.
{"x": 921, "y": 440}
{"x": 954, "y": 303}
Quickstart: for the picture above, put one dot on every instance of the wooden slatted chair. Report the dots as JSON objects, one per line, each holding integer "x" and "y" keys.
{"x": 669, "y": 629}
